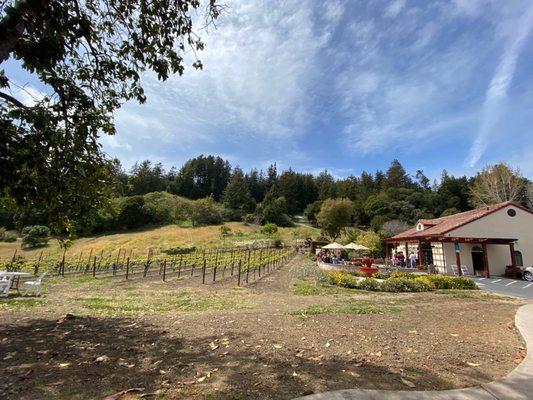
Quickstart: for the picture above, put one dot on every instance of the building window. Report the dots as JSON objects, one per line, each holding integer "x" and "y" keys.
{"x": 420, "y": 227}
{"x": 511, "y": 212}
{"x": 518, "y": 258}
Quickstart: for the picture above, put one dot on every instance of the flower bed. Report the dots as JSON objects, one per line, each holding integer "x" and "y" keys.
{"x": 398, "y": 281}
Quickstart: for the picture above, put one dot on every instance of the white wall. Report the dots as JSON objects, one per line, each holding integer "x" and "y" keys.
{"x": 496, "y": 225}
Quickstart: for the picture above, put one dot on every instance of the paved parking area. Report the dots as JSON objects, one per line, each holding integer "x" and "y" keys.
{"x": 506, "y": 286}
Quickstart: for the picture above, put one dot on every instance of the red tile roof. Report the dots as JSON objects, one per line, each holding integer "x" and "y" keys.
{"x": 442, "y": 225}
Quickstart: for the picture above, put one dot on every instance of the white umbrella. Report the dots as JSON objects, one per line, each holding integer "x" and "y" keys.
{"x": 354, "y": 246}
{"x": 334, "y": 246}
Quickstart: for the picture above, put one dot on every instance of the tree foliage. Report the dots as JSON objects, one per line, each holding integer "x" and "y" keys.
{"x": 35, "y": 236}
{"x": 89, "y": 55}
{"x": 237, "y": 195}
{"x": 498, "y": 183}
{"x": 334, "y": 216}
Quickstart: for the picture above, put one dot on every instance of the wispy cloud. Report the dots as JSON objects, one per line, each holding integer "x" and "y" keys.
{"x": 498, "y": 87}
{"x": 260, "y": 66}
{"x": 394, "y": 8}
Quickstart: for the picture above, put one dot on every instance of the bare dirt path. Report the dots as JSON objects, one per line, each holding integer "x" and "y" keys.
{"x": 181, "y": 339}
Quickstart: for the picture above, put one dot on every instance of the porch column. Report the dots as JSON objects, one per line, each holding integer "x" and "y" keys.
{"x": 406, "y": 250}
{"x": 513, "y": 259}
{"x": 458, "y": 258}
{"x": 420, "y": 253}
{"x": 485, "y": 260}
{"x": 388, "y": 250}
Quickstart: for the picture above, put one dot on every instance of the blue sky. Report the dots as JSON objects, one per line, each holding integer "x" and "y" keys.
{"x": 346, "y": 86}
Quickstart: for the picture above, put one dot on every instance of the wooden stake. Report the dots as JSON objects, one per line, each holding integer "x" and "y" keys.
{"x": 239, "y": 274}
{"x": 164, "y": 269}
{"x": 128, "y": 268}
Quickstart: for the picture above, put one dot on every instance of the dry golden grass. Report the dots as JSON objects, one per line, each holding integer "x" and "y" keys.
{"x": 140, "y": 242}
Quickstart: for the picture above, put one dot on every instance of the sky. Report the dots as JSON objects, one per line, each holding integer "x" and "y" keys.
{"x": 345, "y": 86}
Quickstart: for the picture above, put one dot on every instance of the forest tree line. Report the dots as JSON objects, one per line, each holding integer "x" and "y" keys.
{"x": 208, "y": 190}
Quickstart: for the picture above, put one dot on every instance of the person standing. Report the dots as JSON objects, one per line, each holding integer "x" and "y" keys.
{"x": 412, "y": 259}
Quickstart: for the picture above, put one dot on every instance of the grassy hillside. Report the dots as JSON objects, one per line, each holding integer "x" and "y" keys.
{"x": 156, "y": 239}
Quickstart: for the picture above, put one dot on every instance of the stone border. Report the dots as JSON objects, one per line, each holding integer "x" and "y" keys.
{"x": 517, "y": 385}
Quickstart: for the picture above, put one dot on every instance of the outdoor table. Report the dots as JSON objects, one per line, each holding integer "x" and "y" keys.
{"x": 16, "y": 278}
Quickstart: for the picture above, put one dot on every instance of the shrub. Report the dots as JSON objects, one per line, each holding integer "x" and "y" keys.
{"x": 278, "y": 243}
{"x": 179, "y": 250}
{"x": 357, "y": 273}
{"x": 426, "y": 281}
{"x": 463, "y": 282}
{"x": 132, "y": 213}
{"x": 335, "y": 277}
{"x": 160, "y": 207}
{"x": 35, "y": 236}
{"x": 323, "y": 277}
{"x": 452, "y": 282}
{"x": 406, "y": 275}
{"x": 225, "y": 231}
{"x": 381, "y": 275}
{"x": 6, "y": 236}
{"x": 10, "y": 237}
{"x": 348, "y": 281}
{"x": 369, "y": 284}
{"x": 404, "y": 285}
{"x": 206, "y": 212}
{"x": 269, "y": 229}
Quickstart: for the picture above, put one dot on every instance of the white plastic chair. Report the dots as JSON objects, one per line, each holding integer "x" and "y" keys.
{"x": 5, "y": 285}
{"x": 34, "y": 285}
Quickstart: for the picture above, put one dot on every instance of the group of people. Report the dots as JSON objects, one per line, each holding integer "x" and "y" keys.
{"x": 399, "y": 259}
{"x": 332, "y": 258}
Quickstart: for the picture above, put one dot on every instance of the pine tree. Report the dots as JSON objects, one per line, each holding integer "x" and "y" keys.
{"x": 237, "y": 195}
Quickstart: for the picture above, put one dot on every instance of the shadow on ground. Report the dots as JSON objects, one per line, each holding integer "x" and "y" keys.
{"x": 91, "y": 358}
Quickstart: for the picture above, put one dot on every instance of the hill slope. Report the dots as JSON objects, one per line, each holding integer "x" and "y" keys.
{"x": 156, "y": 239}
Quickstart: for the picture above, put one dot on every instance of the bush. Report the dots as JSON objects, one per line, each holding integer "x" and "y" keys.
{"x": 10, "y": 237}
{"x": 406, "y": 275}
{"x": 381, "y": 275}
{"x": 349, "y": 281}
{"x": 357, "y": 273}
{"x": 2, "y": 233}
{"x": 323, "y": 277}
{"x": 278, "y": 243}
{"x": 160, "y": 207}
{"x": 35, "y": 236}
{"x": 369, "y": 284}
{"x": 179, "y": 250}
{"x": 452, "y": 282}
{"x": 269, "y": 229}
{"x": 426, "y": 281}
{"x": 132, "y": 213}
{"x": 206, "y": 212}
{"x": 404, "y": 285}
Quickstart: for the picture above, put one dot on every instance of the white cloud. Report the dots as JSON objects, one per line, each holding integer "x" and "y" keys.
{"x": 257, "y": 81}
{"x": 498, "y": 87}
{"x": 395, "y": 8}
{"x": 26, "y": 94}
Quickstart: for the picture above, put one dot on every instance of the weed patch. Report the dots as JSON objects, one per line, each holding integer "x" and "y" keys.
{"x": 347, "y": 308}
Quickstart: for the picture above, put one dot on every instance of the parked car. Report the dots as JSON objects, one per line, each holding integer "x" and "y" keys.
{"x": 527, "y": 273}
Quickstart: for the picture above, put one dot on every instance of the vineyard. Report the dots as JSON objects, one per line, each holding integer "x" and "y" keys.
{"x": 212, "y": 265}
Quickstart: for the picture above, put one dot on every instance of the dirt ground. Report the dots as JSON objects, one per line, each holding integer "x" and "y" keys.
{"x": 279, "y": 338}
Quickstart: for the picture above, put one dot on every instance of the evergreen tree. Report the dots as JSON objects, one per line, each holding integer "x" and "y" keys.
{"x": 237, "y": 195}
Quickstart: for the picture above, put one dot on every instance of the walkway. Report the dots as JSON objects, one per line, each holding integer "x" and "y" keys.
{"x": 517, "y": 385}
{"x": 506, "y": 286}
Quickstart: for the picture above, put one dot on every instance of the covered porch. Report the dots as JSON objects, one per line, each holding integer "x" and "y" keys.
{"x": 481, "y": 256}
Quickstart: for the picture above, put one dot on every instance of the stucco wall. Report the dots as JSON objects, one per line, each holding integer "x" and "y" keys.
{"x": 496, "y": 225}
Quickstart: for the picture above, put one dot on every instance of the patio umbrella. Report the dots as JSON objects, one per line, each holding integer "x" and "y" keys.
{"x": 354, "y": 246}
{"x": 334, "y": 246}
